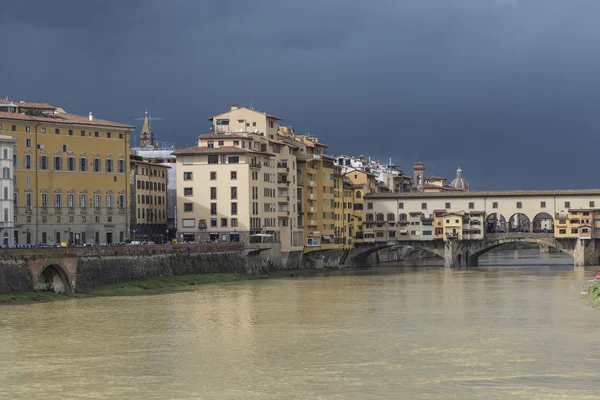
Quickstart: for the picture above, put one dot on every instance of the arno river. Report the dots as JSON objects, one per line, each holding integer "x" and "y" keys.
{"x": 513, "y": 328}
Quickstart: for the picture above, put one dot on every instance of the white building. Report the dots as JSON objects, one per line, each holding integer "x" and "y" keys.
{"x": 7, "y": 218}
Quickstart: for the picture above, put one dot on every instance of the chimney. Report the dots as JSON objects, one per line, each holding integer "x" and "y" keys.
{"x": 234, "y": 107}
{"x": 91, "y": 116}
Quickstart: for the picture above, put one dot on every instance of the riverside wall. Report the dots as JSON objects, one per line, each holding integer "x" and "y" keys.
{"x": 87, "y": 268}
{"x": 83, "y": 269}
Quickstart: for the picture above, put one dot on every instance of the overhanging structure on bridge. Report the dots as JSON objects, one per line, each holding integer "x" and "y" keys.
{"x": 460, "y": 226}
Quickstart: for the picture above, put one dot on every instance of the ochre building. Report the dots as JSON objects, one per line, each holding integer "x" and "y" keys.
{"x": 70, "y": 174}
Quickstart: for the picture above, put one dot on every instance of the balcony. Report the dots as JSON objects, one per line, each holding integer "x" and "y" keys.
{"x": 281, "y": 182}
{"x": 283, "y": 199}
{"x": 311, "y": 183}
{"x": 311, "y": 210}
{"x": 312, "y": 222}
{"x": 255, "y": 165}
{"x": 71, "y": 210}
{"x": 58, "y": 210}
{"x": 311, "y": 196}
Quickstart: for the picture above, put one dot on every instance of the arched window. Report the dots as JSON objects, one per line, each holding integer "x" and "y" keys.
{"x": 358, "y": 195}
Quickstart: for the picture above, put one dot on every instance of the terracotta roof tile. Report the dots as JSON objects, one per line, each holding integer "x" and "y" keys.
{"x": 63, "y": 119}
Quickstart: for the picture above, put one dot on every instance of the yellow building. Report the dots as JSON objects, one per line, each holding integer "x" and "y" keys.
{"x": 315, "y": 172}
{"x": 71, "y": 183}
{"x": 148, "y": 182}
{"x": 453, "y": 225}
{"x": 351, "y": 223}
{"x": 363, "y": 183}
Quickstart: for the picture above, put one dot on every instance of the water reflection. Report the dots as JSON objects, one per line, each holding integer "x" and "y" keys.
{"x": 511, "y": 328}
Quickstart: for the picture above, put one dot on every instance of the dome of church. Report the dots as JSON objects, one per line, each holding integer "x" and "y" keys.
{"x": 459, "y": 182}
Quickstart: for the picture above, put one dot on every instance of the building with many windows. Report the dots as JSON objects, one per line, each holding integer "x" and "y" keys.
{"x": 148, "y": 182}
{"x": 71, "y": 183}
{"x": 7, "y": 234}
{"x": 152, "y": 151}
{"x": 239, "y": 183}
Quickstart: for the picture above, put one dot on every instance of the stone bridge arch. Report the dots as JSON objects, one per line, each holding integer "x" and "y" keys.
{"x": 50, "y": 275}
{"x": 490, "y": 244}
{"x": 362, "y": 255}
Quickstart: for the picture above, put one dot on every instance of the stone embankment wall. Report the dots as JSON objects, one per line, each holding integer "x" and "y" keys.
{"x": 93, "y": 267}
{"x": 15, "y": 276}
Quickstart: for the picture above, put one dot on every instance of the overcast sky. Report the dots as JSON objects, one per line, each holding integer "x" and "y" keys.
{"x": 506, "y": 89}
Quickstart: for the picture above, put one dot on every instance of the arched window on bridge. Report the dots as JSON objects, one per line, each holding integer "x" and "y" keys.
{"x": 543, "y": 223}
{"x": 519, "y": 222}
{"x": 495, "y": 223}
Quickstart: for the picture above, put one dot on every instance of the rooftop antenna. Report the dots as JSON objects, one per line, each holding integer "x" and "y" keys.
{"x": 150, "y": 118}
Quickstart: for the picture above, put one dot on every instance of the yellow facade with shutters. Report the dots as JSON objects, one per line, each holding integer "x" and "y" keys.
{"x": 71, "y": 175}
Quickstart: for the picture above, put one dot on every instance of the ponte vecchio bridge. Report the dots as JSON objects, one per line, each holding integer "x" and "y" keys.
{"x": 461, "y": 226}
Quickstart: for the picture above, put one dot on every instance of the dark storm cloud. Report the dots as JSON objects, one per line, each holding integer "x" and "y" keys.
{"x": 500, "y": 87}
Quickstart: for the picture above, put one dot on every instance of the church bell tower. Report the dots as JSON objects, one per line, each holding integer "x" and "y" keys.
{"x": 146, "y": 136}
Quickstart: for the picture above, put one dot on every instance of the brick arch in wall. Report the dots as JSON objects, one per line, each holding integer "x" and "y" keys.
{"x": 52, "y": 276}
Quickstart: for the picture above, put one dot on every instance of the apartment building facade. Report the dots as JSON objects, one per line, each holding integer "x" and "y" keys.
{"x": 70, "y": 175}
{"x": 239, "y": 183}
{"x": 315, "y": 172}
{"x": 148, "y": 189}
{"x": 7, "y": 232}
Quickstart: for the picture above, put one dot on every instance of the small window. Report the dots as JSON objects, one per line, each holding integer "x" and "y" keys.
{"x": 27, "y": 129}
{"x": 567, "y": 204}
{"x": 213, "y": 175}
{"x": 213, "y": 193}
{"x": 213, "y": 208}
{"x": 188, "y": 207}
{"x": 120, "y": 136}
{"x": 43, "y": 130}
{"x": 519, "y": 204}
{"x": 471, "y": 206}
{"x": 423, "y": 206}
{"x": 369, "y": 206}
{"x": 233, "y": 175}
{"x": 495, "y": 204}
{"x": 187, "y": 176}
{"x": 96, "y": 134}
{"x": 401, "y": 206}
{"x": 108, "y": 135}
{"x": 188, "y": 191}
{"x": 592, "y": 204}
{"x": 543, "y": 204}
{"x": 82, "y": 133}
{"x": 448, "y": 205}
{"x": 27, "y": 142}
{"x": 221, "y": 142}
{"x": 70, "y": 132}
{"x": 14, "y": 128}
{"x": 57, "y": 131}
{"x": 213, "y": 223}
